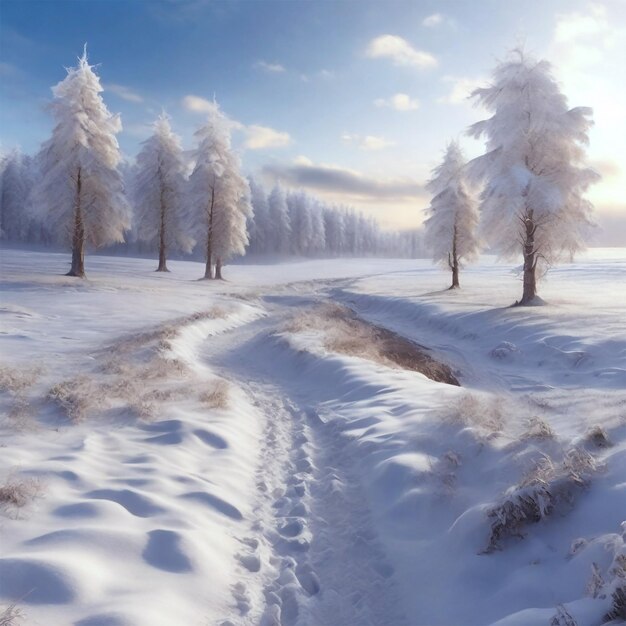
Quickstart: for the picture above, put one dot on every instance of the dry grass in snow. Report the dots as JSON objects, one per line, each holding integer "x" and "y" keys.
{"x": 547, "y": 488}
{"x": 345, "y": 333}
{"x": 16, "y": 493}
{"x": 484, "y": 413}
{"x": 217, "y": 394}
{"x": 129, "y": 370}
{"x": 11, "y": 615}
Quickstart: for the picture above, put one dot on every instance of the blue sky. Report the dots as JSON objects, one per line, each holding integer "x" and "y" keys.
{"x": 353, "y": 100}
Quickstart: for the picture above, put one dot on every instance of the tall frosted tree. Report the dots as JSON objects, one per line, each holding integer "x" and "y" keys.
{"x": 219, "y": 195}
{"x": 450, "y": 229}
{"x": 16, "y": 180}
{"x": 534, "y": 170}
{"x": 158, "y": 189}
{"x": 279, "y": 221}
{"x": 80, "y": 190}
{"x": 259, "y": 227}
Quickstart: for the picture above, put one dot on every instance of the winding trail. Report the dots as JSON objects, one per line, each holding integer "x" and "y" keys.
{"x": 310, "y": 555}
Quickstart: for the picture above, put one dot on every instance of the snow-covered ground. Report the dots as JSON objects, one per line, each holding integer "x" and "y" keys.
{"x": 188, "y": 452}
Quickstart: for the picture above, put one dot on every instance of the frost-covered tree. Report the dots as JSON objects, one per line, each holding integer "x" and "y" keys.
{"x": 80, "y": 190}
{"x": 318, "y": 232}
{"x": 16, "y": 180}
{"x": 533, "y": 171}
{"x": 258, "y": 225}
{"x": 279, "y": 221}
{"x": 158, "y": 189}
{"x": 219, "y": 195}
{"x": 300, "y": 221}
{"x": 450, "y": 229}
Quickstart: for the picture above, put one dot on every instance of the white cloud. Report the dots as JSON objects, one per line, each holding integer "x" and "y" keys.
{"x": 256, "y": 137}
{"x": 368, "y": 142}
{"x": 460, "y": 88}
{"x": 303, "y": 161}
{"x": 196, "y": 104}
{"x": 260, "y": 137}
{"x": 400, "y": 52}
{"x": 432, "y": 20}
{"x": 574, "y": 27}
{"x": 587, "y": 49}
{"x": 399, "y": 102}
{"x": 126, "y": 93}
{"x": 272, "y": 68}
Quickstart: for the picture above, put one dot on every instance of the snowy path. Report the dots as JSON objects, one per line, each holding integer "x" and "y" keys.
{"x": 310, "y": 555}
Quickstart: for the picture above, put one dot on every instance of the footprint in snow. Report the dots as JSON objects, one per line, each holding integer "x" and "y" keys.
{"x": 164, "y": 552}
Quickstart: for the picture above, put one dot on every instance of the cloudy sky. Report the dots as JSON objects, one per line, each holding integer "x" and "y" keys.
{"x": 352, "y": 100}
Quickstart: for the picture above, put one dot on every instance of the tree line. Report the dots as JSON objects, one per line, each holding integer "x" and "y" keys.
{"x": 525, "y": 196}
{"x": 78, "y": 191}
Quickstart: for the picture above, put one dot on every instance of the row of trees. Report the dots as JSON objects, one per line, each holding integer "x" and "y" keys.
{"x": 74, "y": 192}
{"x": 526, "y": 193}
{"x": 299, "y": 224}
{"x": 78, "y": 191}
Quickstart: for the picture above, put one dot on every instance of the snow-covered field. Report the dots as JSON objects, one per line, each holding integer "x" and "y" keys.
{"x": 187, "y": 452}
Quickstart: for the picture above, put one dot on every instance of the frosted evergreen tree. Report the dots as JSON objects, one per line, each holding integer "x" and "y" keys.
{"x": 219, "y": 195}
{"x": 279, "y": 220}
{"x": 334, "y": 229}
{"x": 534, "y": 170}
{"x": 318, "y": 243}
{"x": 450, "y": 229}
{"x": 158, "y": 188}
{"x": 16, "y": 180}
{"x": 259, "y": 227}
{"x": 300, "y": 221}
{"x": 80, "y": 190}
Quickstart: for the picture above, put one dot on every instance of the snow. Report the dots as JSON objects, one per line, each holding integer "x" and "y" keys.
{"x": 229, "y": 467}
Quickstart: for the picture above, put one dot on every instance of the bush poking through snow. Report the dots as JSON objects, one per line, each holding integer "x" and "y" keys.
{"x": 17, "y": 493}
{"x": 16, "y": 381}
{"x": 75, "y": 396}
{"x": 217, "y": 396}
{"x": 597, "y": 437}
{"x": 596, "y": 582}
{"x": 485, "y": 413}
{"x": 11, "y": 615}
{"x": 538, "y": 429}
{"x": 547, "y": 488}
{"x": 617, "y": 613}
{"x": 563, "y": 617}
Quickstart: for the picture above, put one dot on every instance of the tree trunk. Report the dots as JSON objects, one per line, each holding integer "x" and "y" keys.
{"x": 530, "y": 261}
{"x": 78, "y": 235}
{"x": 162, "y": 256}
{"x": 453, "y": 262}
{"x": 218, "y": 269}
{"x": 208, "y": 272}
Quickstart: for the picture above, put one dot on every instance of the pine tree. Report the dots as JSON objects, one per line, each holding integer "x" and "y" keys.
{"x": 533, "y": 171}
{"x": 80, "y": 191}
{"x": 158, "y": 188}
{"x": 16, "y": 180}
{"x": 279, "y": 220}
{"x": 258, "y": 226}
{"x": 450, "y": 229}
{"x": 219, "y": 195}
